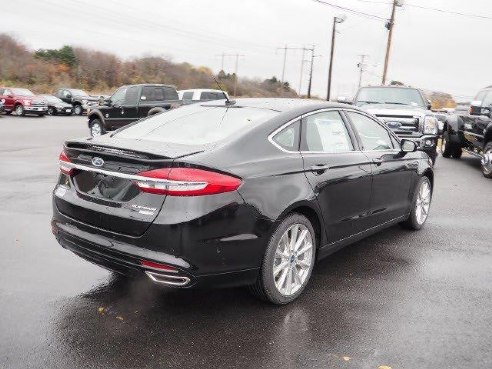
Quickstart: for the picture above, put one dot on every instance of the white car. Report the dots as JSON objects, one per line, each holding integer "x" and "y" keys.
{"x": 197, "y": 95}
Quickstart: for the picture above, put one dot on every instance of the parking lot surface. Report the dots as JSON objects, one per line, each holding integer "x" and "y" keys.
{"x": 398, "y": 299}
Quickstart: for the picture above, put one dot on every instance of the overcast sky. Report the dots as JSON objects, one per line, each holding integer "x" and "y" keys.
{"x": 431, "y": 50}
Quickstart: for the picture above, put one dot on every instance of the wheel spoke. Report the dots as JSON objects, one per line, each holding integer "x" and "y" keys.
{"x": 279, "y": 268}
{"x": 293, "y": 236}
{"x": 303, "y": 264}
{"x": 300, "y": 239}
{"x": 289, "y": 281}
{"x": 281, "y": 280}
{"x": 297, "y": 277}
{"x": 307, "y": 246}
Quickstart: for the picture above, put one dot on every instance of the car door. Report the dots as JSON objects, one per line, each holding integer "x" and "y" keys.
{"x": 114, "y": 114}
{"x": 392, "y": 172}
{"x": 8, "y": 96}
{"x": 474, "y": 125}
{"x": 338, "y": 172}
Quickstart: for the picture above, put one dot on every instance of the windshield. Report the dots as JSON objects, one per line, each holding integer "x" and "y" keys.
{"x": 196, "y": 124}
{"x": 22, "y": 92}
{"x": 52, "y": 99}
{"x": 390, "y": 95}
{"x": 79, "y": 93}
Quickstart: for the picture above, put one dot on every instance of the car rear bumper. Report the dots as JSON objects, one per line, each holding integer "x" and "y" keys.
{"x": 35, "y": 109}
{"x": 115, "y": 254}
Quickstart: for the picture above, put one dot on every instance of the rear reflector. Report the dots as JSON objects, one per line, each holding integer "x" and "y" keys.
{"x": 157, "y": 266}
{"x": 186, "y": 182}
{"x": 64, "y": 160}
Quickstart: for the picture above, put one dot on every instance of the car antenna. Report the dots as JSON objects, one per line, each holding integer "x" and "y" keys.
{"x": 228, "y": 101}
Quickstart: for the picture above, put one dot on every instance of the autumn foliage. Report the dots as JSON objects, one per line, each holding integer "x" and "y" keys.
{"x": 101, "y": 72}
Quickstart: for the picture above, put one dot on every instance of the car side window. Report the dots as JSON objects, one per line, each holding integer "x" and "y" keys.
{"x": 131, "y": 98}
{"x": 372, "y": 134}
{"x": 188, "y": 95}
{"x": 119, "y": 96}
{"x": 487, "y": 100}
{"x": 326, "y": 132}
{"x": 288, "y": 138}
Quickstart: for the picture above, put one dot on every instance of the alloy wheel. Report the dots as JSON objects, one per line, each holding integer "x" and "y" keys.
{"x": 422, "y": 204}
{"x": 487, "y": 162}
{"x": 293, "y": 259}
{"x": 96, "y": 130}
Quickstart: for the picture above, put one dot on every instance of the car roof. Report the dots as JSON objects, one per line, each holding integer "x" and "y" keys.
{"x": 201, "y": 90}
{"x": 280, "y": 104}
{"x": 395, "y": 86}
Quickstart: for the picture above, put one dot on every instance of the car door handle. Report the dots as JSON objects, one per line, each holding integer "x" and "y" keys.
{"x": 377, "y": 161}
{"x": 319, "y": 168}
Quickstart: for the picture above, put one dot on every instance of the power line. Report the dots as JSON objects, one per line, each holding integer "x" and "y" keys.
{"x": 353, "y": 11}
{"x": 470, "y": 15}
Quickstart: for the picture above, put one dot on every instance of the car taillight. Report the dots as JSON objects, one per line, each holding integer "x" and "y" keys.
{"x": 186, "y": 182}
{"x": 64, "y": 160}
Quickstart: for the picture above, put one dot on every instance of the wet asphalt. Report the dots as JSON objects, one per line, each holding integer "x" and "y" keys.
{"x": 398, "y": 299}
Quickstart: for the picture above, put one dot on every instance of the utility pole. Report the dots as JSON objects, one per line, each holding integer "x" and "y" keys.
{"x": 223, "y": 55}
{"x": 336, "y": 20}
{"x": 389, "y": 26}
{"x": 311, "y": 71}
{"x": 361, "y": 67}
{"x": 237, "y": 56}
{"x": 285, "y": 48}
{"x": 302, "y": 69}
{"x": 235, "y": 72}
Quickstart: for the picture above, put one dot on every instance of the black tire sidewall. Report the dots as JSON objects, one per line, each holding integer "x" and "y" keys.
{"x": 266, "y": 273}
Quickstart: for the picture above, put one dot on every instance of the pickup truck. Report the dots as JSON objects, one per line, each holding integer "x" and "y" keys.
{"x": 80, "y": 100}
{"x": 471, "y": 132}
{"x": 129, "y": 104}
{"x": 22, "y": 101}
{"x": 406, "y": 111}
{"x": 201, "y": 94}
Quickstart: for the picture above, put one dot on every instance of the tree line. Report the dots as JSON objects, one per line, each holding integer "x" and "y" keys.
{"x": 45, "y": 70}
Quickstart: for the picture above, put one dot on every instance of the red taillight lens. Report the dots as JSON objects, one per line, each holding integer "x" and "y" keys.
{"x": 186, "y": 182}
{"x": 64, "y": 168}
{"x": 161, "y": 267}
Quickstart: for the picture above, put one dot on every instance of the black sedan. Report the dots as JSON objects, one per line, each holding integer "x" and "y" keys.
{"x": 56, "y": 106}
{"x": 247, "y": 192}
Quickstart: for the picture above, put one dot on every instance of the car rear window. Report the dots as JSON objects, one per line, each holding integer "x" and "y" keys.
{"x": 196, "y": 124}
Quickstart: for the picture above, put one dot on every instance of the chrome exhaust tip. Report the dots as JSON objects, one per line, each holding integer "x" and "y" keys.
{"x": 170, "y": 280}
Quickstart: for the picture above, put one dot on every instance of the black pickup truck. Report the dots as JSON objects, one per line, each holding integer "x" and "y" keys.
{"x": 129, "y": 104}
{"x": 79, "y": 99}
{"x": 471, "y": 132}
{"x": 406, "y": 111}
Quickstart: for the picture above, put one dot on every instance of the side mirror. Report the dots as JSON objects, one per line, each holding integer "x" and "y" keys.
{"x": 429, "y": 105}
{"x": 476, "y": 107}
{"x": 9, "y": 95}
{"x": 408, "y": 146}
{"x": 344, "y": 100}
{"x": 68, "y": 96}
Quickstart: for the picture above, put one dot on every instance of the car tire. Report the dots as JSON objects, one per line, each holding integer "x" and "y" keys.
{"x": 78, "y": 110}
{"x": 8, "y": 112}
{"x": 51, "y": 111}
{"x": 96, "y": 127}
{"x": 292, "y": 267}
{"x": 421, "y": 202}
{"x": 41, "y": 114}
{"x": 19, "y": 110}
{"x": 448, "y": 148}
{"x": 486, "y": 163}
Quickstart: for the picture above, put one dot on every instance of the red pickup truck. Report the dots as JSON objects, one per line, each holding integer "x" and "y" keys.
{"x": 22, "y": 101}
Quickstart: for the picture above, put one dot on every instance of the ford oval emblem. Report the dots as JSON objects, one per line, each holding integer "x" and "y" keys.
{"x": 97, "y": 161}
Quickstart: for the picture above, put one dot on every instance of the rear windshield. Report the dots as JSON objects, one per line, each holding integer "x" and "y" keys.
{"x": 196, "y": 124}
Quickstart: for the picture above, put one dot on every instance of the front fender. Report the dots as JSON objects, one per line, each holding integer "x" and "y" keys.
{"x": 95, "y": 114}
